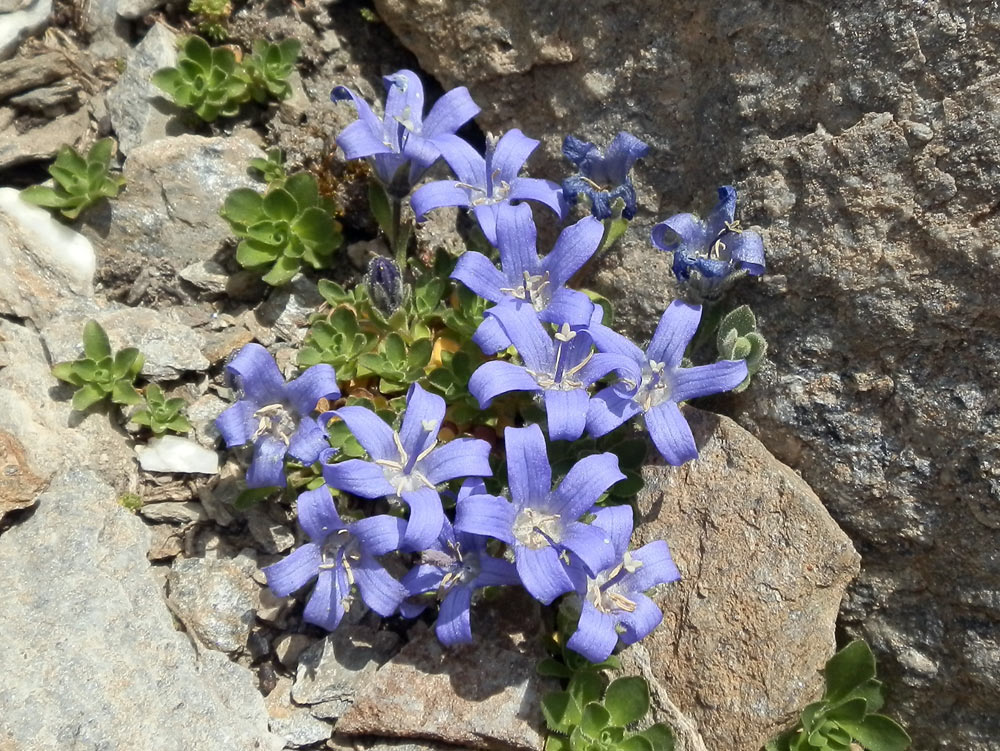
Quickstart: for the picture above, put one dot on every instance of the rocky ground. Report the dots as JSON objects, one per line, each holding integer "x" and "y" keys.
{"x": 868, "y": 168}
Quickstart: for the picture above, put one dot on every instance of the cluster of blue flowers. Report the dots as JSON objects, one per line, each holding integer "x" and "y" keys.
{"x": 555, "y": 540}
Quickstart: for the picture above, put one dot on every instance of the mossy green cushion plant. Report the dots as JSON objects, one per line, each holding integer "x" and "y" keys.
{"x": 206, "y": 80}
{"x": 284, "y": 228}
{"x": 80, "y": 181}
{"x": 99, "y": 374}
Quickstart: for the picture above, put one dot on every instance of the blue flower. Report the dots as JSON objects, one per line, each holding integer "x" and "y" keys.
{"x": 487, "y": 185}
{"x": 709, "y": 255}
{"x": 276, "y": 417}
{"x": 525, "y": 278}
{"x": 602, "y": 179}
{"x": 613, "y": 604}
{"x": 561, "y": 370}
{"x": 407, "y": 465}
{"x": 455, "y": 567}
{"x": 541, "y": 524}
{"x": 339, "y": 556}
{"x": 403, "y": 137}
{"x": 658, "y": 383}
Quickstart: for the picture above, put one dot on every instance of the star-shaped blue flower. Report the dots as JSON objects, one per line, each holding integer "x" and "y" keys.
{"x": 602, "y": 178}
{"x": 278, "y": 418}
{"x": 658, "y": 383}
{"x": 403, "y": 137}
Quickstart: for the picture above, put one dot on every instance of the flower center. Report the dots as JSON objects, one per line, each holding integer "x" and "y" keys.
{"x": 602, "y": 592}
{"x": 341, "y": 550}
{"x": 534, "y": 289}
{"x": 275, "y": 420}
{"x": 564, "y": 377}
{"x": 460, "y": 570}
{"x": 536, "y": 529}
{"x": 654, "y": 388}
{"x": 402, "y": 474}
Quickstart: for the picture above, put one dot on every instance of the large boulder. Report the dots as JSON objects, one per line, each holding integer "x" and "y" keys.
{"x": 865, "y": 140}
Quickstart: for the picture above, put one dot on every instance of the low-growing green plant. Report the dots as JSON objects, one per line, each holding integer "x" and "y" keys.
{"x": 80, "y": 181}
{"x": 268, "y": 67}
{"x": 212, "y": 17}
{"x": 284, "y": 228}
{"x": 130, "y": 501}
{"x": 396, "y": 363}
{"x": 738, "y": 339}
{"x": 844, "y": 717}
{"x": 337, "y": 340}
{"x": 207, "y": 81}
{"x": 272, "y": 169}
{"x": 100, "y": 374}
{"x": 160, "y": 414}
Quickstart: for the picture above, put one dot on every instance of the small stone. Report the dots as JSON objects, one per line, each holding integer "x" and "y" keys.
{"x": 258, "y": 645}
{"x": 207, "y": 275}
{"x": 274, "y": 536}
{"x": 201, "y": 413}
{"x": 272, "y": 609}
{"x": 31, "y": 71}
{"x": 288, "y": 647}
{"x": 171, "y": 453}
{"x": 294, "y": 724}
{"x": 134, "y": 9}
{"x": 15, "y": 25}
{"x": 221, "y": 345}
{"x": 216, "y": 599}
{"x": 186, "y": 512}
{"x": 288, "y": 309}
{"x": 166, "y": 542}
{"x": 19, "y": 486}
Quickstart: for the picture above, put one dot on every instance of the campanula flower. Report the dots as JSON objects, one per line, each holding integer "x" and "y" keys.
{"x": 525, "y": 279}
{"x": 613, "y": 604}
{"x": 487, "y": 184}
{"x": 403, "y": 137}
{"x": 276, "y": 417}
{"x": 602, "y": 178}
{"x": 561, "y": 369}
{"x": 408, "y": 465}
{"x": 339, "y": 556}
{"x": 658, "y": 383}
{"x": 709, "y": 255}
{"x": 541, "y": 524}
{"x": 455, "y": 568}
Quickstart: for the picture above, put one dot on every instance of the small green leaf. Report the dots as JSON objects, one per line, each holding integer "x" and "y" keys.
{"x": 635, "y": 743}
{"x": 39, "y": 195}
{"x": 251, "y": 254}
{"x": 314, "y": 226}
{"x": 585, "y": 687}
{"x": 95, "y": 341}
{"x": 66, "y": 371}
{"x": 871, "y": 692}
{"x": 127, "y": 363}
{"x": 849, "y": 711}
{"x": 197, "y": 50}
{"x": 878, "y": 733}
{"x": 253, "y": 496}
{"x": 124, "y": 392}
{"x": 378, "y": 202}
{"x": 595, "y": 719}
{"x": 549, "y": 667}
{"x": 243, "y": 206}
{"x": 627, "y": 700}
{"x": 87, "y": 396}
{"x": 282, "y": 271}
{"x": 100, "y": 153}
{"x": 560, "y": 711}
{"x": 557, "y": 743}
{"x": 395, "y": 350}
{"x": 303, "y": 189}
{"x": 848, "y": 669}
{"x": 660, "y": 737}
{"x": 279, "y": 204}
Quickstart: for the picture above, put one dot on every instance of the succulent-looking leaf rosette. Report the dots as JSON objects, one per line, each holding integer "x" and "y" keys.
{"x": 278, "y": 418}
{"x": 206, "y": 80}
{"x": 80, "y": 181}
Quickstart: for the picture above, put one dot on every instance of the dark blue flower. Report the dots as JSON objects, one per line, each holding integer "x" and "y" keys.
{"x": 541, "y": 523}
{"x": 613, "y": 604}
{"x": 710, "y": 254}
{"x": 658, "y": 383}
{"x": 602, "y": 178}
{"x": 487, "y": 184}
{"x": 278, "y": 418}
{"x": 403, "y": 137}
{"x": 339, "y": 556}
{"x": 455, "y": 568}
{"x": 385, "y": 285}
{"x": 408, "y": 465}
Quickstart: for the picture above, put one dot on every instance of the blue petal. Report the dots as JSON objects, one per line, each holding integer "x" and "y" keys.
{"x": 541, "y": 573}
{"x": 421, "y": 421}
{"x": 379, "y": 590}
{"x": 257, "y": 375}
{"x": 467, "y": 164}
{"x": 496, "y": 572}
{"x": 422, "y": 579}
{"x": 617, "y": 522}
{"x": 497, "y": 377}
{"x": 371, "y": 432}
{"x": 453, "y": 110}
{"x": 684, "y": 231}
{"x": 318, "y": 514}
{"x": 454, "y": 620}
{"x": 533, "y": 343}
{"x": 362, "y": 478}
{"x": 640, "y": 623}
{"x": 426, "y": 519}
{"x": 308, "y": 441}
{"x": 723, "y": 213}
{"x": 476, "y": 272}
{"x": 608, "y": 340}
{"x": 379, "y": 534}
{"x": 510, "y": 154}
{"x": 607, "y": 410}
{"x": 568, "y": 306}
{"x": 567, "y": 413}
{"x": 747, "y": 248}
{"x": 573, "y": 248}
{"x": 237, "y": 424}
{"x": 317, "y": 382}
{"x": 486, "y": 215}
{"x": 545, "y": 192}
{"x": 326, "y": 603}
{"x": 486, "y": 515}
{"x": 677, "y": 327}
{"x": 657, "y": 567}
{"x": 460, "y": 457}
{"x": 528, "y": 472}
{"x": 585, "y": 482}
{"x": 622, "y": 153}
{"x": 267, "y": 468}
{"x": 595, "y": 637}
{"x": 702, "y": 380}
{"x": 575, "y": 150}
{"x": 592, "y": 545}
{"x": 516, "y": 241}
{"x": 404, "y": 98}
{"x": 293, "y": 572}
{"x": 438, "y": 194}
{"x": 490, "y": 336}
{"x": 671, "y": 434}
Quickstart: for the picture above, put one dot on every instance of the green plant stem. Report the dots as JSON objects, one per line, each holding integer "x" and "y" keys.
{"x": 398, "y": 244}
{"x": 708, "y": 329}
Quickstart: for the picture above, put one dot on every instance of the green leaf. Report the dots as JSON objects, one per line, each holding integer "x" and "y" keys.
{"x": 314, "y": 226}
{"x": 560, "y": 711}
{"x": 40, "y": 195}
{"x": 381, "y": 208}
{"x": 333, "y": 293}
{"x": 179, "y": 424}
{"x": 279, "y": 204}
{"x": 251, "y": 254}
{"x": 87, "y": 396}
{"x": 660, "y": 737}
{"x": 154, "y": 395}
{"x": 125, "y": 366}
{"x": 395, "y": 350}
{"x": 197, "y": 50}
{"x": 289, "y": 49}
{"x": 878, "y": 733}
{"x": 627, "y": 700}
{"x": 848, "y": 669}
{"x": 68, "y": 158}
{"x": 635, "y": 743}
{"x": 871, "y": 692}
{"x": 282, "y": 271}
{"x": 586, "y": 687}
{"x": 243, "y": 206}
{"x": 420, "y": 353}
{"x": 100, "y": 153}
{"x": 252, "y": 496}
{"x": 595, "y": 718}
{"x": 549, "y": 667}
{"x": 66, "y": 371}
{"x": 557, "y": 743}
{"x": 95, "y": 341}
{"x": 124, "y": 392}
{"x": 849, "y": 711}
{"x": 303, "y": 189}
{"x": 810, "y": 714}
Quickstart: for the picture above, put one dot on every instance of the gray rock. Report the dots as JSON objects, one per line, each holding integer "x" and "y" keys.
{"x": 137, "y": 8}
{"x": 865, "y": 138}
{"x": 177, "y": 512}
{"x": 273, "y": 535}
{"x": 46, "y": 263}
{"x": 351, "y": 743}
{"x": 207, "y": 275}
{"x": 109, "y": 34}
{"x": 171, "y": 348}
{"x": 139, "y": 112}
{"x": 216, "y": 599}
{"x": 27, "y": 72}
{"x": 294, "y": 724}
{"x": 289, "y": 647}
{"x": 19, "y": 21}
{"x": 332, "y": 671}
{"x": 202, "y": 413}
{"x": 288, "y": 308}
{"x": 176, "y": 187}
{"x": 764, "y": 568}
{"x": 41, "y": 142}
{"x": 80, "y": 602}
